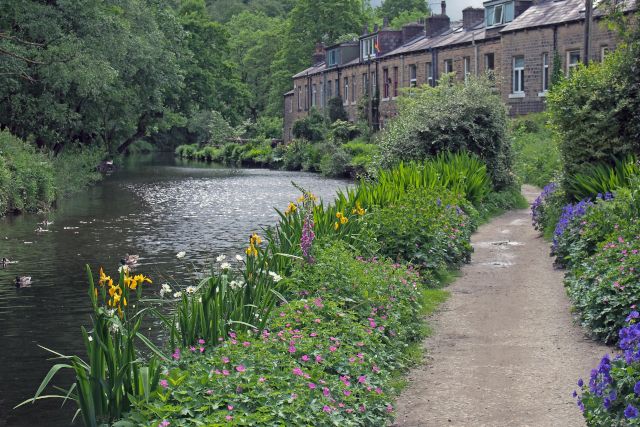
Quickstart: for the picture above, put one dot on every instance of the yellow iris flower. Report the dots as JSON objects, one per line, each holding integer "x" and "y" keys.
{"x": 358, "y": 209}
{"x": 104, "y": 279}
{"x": 290, "y": 209}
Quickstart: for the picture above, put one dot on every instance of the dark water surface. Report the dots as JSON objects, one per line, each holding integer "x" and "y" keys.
{"x": 154, "y": 207}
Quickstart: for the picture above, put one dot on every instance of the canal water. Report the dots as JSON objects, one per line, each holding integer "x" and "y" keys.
{"x": 155, "y": 207}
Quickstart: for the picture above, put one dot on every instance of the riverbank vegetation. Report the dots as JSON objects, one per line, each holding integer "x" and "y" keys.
{"x": 591, "y": 212}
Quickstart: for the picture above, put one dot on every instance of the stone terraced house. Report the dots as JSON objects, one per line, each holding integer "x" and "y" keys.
{"x": 515, "y": 41}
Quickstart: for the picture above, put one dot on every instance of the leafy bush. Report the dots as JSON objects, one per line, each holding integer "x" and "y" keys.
{"x": 336, "y": 110}
{"x": 258, "y": 154}
{"x": 27, "y": 176}
{"x": 594, "y": 113}
{"x": 440, "y": 243}
{"x": 536, "y": 155}
{"x": 187, "y": 151}
{"x": 336, "y": 163}
{"x": 312, "y": 127}
{"x": 342, "y": 131}
{"x": 362, "y": 156}
{"x": 451, "y": 117}
{"x": 75, "y": 168}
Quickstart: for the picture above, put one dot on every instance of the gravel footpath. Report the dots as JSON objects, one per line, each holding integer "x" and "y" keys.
{"x": 505, "y": 350}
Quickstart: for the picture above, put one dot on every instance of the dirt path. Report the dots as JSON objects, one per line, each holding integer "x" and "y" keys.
{"x": 504, "y": 351}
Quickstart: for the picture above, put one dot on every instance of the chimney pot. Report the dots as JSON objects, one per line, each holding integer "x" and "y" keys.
{"x": 443, "y": 6}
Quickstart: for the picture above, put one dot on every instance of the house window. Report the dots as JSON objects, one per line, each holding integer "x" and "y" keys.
{"x": 298, "y": 95}
{"x": 395, "y": 81}
{"x": 291, "y": 104}
{"x": 353, "y": 88}
{"x": 518, "y": 74}
{"x": 374, "y": 83}
{"x": 306, "y": 97}
{"x": 368, "y": 47}
{"x": 314, "y": 93}
{"x": 322, "y": 97}
{"x": 365, "y": 84}
{"x": 448, "y": 65}
{"x": 337, "y": 83}
{"x": 413, "y": 80}
{"x": 332, "y": 58}
{"x": 499, "y": 14}
{"x": 604, "y": 51}
{"x": 573, "y": 59}
{"x": 346, "y": 90}
{"x": 545, "y": 72}
{"x": 467, "y": 68}
{"x": 489, "y": 62}
{"x": 385, "y": 81}
{"x": 329, "y": 90}
{"x": 429, "y": 72}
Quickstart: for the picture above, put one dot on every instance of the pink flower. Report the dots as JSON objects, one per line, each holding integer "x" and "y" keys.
{"x": 228, "y": 418}
{"x": 261, "y": 379}
{"x": 378, "y": 390}
{"x": 232, "y": 334}
{"x": 240, "y": 368}
{"x": 333, "y": 348}
{"x": 294, "y": 396}
{"x": 389, "y": 408}
{"x": 347, "y": 392}
{"x": 246, "y": 343}
{"x": 305, "y": 358}
{"x": 176, "y": 354}
{"x": 225, "y": 372}
{"x": 313, "y": 334}
{"x": 362, "y": 379}
{"x": 292, "y": 349}
{"x": 282, "y": 314}
{"x": 225, "y": 359}
{"x": 317, "y": 320}
{"x": 297, "y": 371}
{"x": 327, "y": 409}
{"x": 192, "y": 348}
{"x": 318, "y": 359}
{"x": 201, "y": 341}
{"x": 201, "y": 349}
{"x": 375, "y": 369}
{"x": 362, "y": 408}
{"x": 164, "y": 423}
{"x": 230, "y": 407}
{"x": 164, "y": 383}
{"x": 325, "y": 391}
{"x": 312, "y": 386}
{"x": 318, "y": 302}
{"x": 209, "y": 392}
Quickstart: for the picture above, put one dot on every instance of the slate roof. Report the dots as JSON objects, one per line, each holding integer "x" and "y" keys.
{"x": 311, "y": 70}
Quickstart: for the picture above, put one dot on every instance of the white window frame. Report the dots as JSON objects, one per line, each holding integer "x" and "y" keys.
{"x": 545, "y": 73}
{"x": 604, "y": 51}
{"x": 354, "y": 86}
{"x": 572, "y": 65}
{"x": 413, "y": 75}
{"x": 448, "y": 66}
{"x": 345, "y": 101}
{"x": 367, "y": 48}
{"x": 467, "y": 67}
{"x": 297, "y": 89}
{"x": 314, "y": 92}
{"x": 517, "y": 83}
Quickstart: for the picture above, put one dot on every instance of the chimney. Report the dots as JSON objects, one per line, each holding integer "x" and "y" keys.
{"x": 472, "y": 17}
{"x": 375, "y": 28}
{"x": 411, "y": 31}
{"x": 385, "y": 22}
{"x": 365, "y": 29}
{"x": 443, "y": 6}
{"x": 319, "y": 54}
{"x": 436, "y": 25}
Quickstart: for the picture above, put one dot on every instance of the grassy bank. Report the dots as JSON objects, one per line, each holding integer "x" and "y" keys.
{"x": 31, "y": 181}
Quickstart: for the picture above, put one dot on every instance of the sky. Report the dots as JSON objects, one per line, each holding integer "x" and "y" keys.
{"x": 454, "y": 7}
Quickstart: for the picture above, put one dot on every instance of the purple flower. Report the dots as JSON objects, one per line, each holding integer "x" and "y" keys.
{"x": 636, "y": 388}
{"x": 580, "y": 382}
{"x": 306, "y": 240}
{"x": 631, "y": 412}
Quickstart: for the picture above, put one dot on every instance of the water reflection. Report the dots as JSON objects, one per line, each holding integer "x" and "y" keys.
{"x": 155, "y": 207}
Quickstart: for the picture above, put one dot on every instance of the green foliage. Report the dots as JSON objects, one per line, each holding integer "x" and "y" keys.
{"x": 392, "y": 9}
{"x": 601, "y": 179}
{"x": 594, "y": 113}
{"x": 437, "y": 244}
{"x": 556, "y": 74}
{"x": 312, "y": 127}
{"x": 536, "y": 155}
{"x": 75, "y": 168}
{"x": 451, "y": 117}
{"x": 335, "y": 163}
{"x": 341, "y": 131}
{"x": 27, "y": 177}
{"x": 336, "y": 110}
{"x": 407, "y": 17}
{"x": 498, "y": 202}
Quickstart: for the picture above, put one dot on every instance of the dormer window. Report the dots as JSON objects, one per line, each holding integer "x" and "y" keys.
{"x": 498, "y": 13}
{"x": 332, "y": 58}
{"x": 369, "y": 48}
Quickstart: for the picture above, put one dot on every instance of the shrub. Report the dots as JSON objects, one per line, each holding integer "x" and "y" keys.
{"x": 362, "y": 156}
{"x": 75, "y": 168}
{"x": 312, "y": 128}
{"x": 594, "y": 113}
{"x": 342, "y": 131}
{"x": 336, "y": 110}
{"x": 602, "y": 179}
{"x": 440, "y": 243}
{"x": 187, "y": 151}
{"x": 536, "y": 155}
{"x": 451, "y": 117}
{"x": 258, "y": 154}
{"x": 336, "y": 163}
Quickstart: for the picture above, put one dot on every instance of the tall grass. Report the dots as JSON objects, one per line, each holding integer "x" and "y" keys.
{"x": 600, "y": 179}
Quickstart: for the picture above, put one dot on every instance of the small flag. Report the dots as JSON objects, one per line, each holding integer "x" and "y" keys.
{"x": 376, "y": 46}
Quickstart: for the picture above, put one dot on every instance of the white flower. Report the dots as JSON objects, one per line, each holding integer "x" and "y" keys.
{"x": 114, "y": 327}
{"x": 190, "y": 290}
{"x": 111, "y": 312}
{"x": 90, "y": 338}
{"x": 221, "y": 258}
{"x": 275, "y": 276}
{"x": 200, "y": 299}
{"x": 166, "y": 289}
{"x": 181, "y": 254}
{"x": 123, "y": 268}
{"x": 236, "y": 284}
{"x": 177, "y": 295}
{"x": 225, "y": 265}
{"x": 239, "y": 258}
